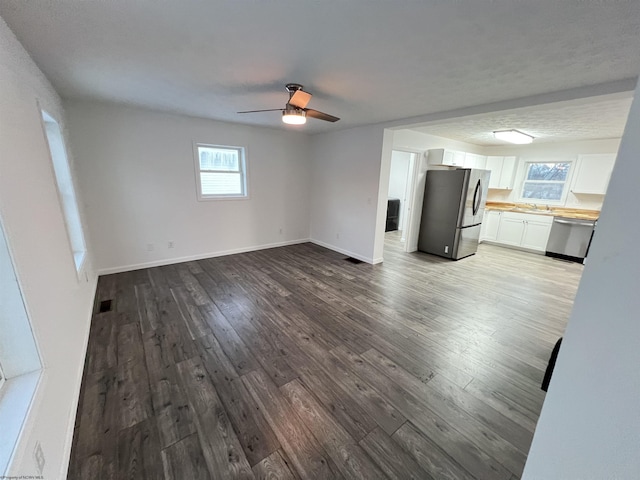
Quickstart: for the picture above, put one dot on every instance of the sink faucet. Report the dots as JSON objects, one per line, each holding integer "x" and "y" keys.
{"x": 535, "y": 207}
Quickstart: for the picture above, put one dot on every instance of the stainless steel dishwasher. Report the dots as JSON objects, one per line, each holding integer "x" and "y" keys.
{"x": 570, "y": 238}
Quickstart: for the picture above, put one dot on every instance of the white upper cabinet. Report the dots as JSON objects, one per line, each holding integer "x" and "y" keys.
{"x": 451, "y": 158}
{"x": 503, "y": 170}
{"x": 593, "y": 173}
{"x": 473, "y": 160}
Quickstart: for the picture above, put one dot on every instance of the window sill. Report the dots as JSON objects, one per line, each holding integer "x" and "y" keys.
{"x": 15, "y": 401}
{"x": 225, "y": 197}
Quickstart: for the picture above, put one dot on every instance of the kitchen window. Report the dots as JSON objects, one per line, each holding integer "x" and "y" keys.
{"x": 221, "y": 172}
{"x": 545, "y": 182}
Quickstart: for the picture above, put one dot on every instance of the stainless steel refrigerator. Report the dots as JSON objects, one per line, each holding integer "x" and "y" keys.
{"x": 452, "y": 212}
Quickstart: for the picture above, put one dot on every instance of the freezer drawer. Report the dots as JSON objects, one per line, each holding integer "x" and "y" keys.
{"x": 466, "y": 241}
{"x": 570, "y": 238}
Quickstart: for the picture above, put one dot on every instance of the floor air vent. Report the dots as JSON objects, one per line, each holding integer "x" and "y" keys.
{"x": 353, "y": 260}
{"x": 105, "y": 306}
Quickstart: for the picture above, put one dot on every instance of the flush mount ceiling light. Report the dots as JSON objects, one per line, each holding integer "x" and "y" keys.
{"x": 294, "y": 116}
{"x": 513, "y": 136}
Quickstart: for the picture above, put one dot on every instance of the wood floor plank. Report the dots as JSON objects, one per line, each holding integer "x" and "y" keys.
{"x": 190, "y": 313}
{"x": 219, "y": 443}
{"x": 234, "y": 348}
{"x": 139, "y": 452}
{"x": 350, "y": 459}
{"x": 98, "y": 426}
{"x": 274, "y": 467}
{"x": 308, "y": 457}
{"x": 134, "y": 398}
{"x": 477, "y": 431}
{"x": 391, "y": 458}
{"x": 254, "y": 433}
{"x": 102, "y": 350}
{"x": 172, "y": 410}
{"x": 431, "y": 458}
{"x": 493, "y": 418}
{"x": 147, "y": 308}
{"x": 467, "y": 452}
{"x": 185, "y": 460}
{"x": 129, "y": 344}
{"x": 293, "y": 362}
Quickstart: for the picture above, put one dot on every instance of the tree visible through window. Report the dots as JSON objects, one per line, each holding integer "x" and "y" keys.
{"x": 545, "y": 181}
{"x": 221, "y": 171}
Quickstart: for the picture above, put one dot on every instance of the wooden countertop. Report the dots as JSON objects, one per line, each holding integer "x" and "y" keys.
{"x": 541, "y": 210}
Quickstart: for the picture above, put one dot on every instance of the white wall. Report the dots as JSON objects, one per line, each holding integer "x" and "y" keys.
{"x": 137, "y": 173}
{"x": 589, "y": 427}
{"x": 563, "y": 151}
{"x": 345, "y": 192}
{"x": 57, "y": 301}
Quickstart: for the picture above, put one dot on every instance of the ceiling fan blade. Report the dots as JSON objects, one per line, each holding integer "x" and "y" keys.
{"x": 320, "y": 115}
{"x": 269, "y": 110}
{"x": 300, "y": 99}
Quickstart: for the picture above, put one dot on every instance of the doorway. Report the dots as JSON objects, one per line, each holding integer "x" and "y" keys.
{"x": 400, "y": 193}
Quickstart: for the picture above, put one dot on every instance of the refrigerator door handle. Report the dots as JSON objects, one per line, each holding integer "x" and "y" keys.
{"x": 477, "y": 198}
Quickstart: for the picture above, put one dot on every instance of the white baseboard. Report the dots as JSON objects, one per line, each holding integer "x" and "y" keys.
{"x": 346, "y": 252}
{"x": 189, "y": 258}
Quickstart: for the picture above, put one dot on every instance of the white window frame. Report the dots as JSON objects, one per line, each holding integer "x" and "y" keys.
{"x": 21, "y": 361}
{"x": 544, "y": 201}
{"x": 243, "y": 170}
{"x": 67, "y": 198}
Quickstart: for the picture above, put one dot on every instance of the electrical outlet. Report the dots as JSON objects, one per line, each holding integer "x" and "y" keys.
{"x": 337, "y": 236}
{"x": 446, "y": 249}
{"x": 170, "y": 244}
{"x": 38, "y": 456}
{"x": 280, "y": 231}
{"x": 149, "y": 247}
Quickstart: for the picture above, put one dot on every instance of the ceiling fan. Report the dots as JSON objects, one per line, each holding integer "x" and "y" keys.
{"x": 295, "y": 111}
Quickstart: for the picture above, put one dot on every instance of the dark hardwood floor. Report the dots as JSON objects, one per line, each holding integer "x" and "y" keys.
{"x": 295, "y": 363}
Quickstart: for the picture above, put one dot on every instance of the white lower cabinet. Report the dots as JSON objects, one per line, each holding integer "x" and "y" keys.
{"x": 490, "y": 225}
{"x": 522, "y": 230}
{"x": 511, "y": 231}
{"x": 536, "y": 235}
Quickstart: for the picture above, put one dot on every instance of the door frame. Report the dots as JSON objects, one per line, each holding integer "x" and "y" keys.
{"x": 412, "y": 175}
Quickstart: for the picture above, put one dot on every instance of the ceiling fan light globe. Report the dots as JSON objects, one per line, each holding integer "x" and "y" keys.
{"x": 294, "y": 117}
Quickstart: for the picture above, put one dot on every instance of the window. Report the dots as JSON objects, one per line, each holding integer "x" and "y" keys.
{"x": 20, "y": 365}
{"x": 545, "y": 182}
{"x": 221, "y": 172}
{"x": 65, "y": 188}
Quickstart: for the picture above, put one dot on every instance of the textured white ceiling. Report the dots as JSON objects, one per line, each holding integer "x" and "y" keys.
{"x": 562, "y": 122}
{"x": 364, "y": 60}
